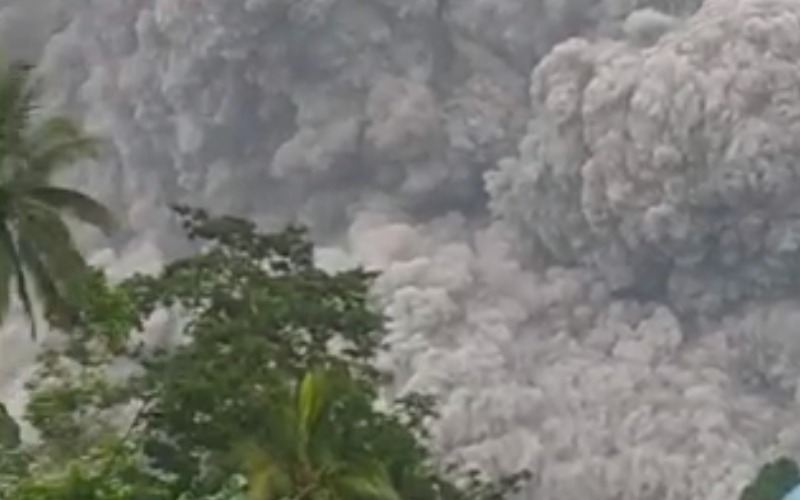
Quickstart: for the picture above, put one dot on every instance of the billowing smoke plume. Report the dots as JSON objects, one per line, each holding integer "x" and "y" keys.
{"x": 670, "y": 168}
{"x": 583, "y": 209}
{"x": 310, "y": 107}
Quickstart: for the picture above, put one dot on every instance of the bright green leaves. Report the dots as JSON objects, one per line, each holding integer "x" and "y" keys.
{"x": 107, "y": 315}
{"x": 312, "y": 399}
{"x": 313, "y": 464}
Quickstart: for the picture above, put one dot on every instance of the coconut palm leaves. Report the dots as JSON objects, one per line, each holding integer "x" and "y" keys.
{"x": 9, "y": 430}
{"x": 37, "y": 254}
{"x": 305, "y": 465}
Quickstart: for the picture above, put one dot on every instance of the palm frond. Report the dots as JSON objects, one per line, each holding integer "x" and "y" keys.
{"x": 267, "y": 474}
{"x": 9, "y": 430}
{"x": 6, "y": 274}
{"x": 42, "y": 227}
{"x": 9, "y": 245}
{"x": 312, "y": 398}
{"x": 48, "y": 288}
{"x": 76, "y": 204}
{"x": 44, "y": 230}
{"x": 54, "y": 262}
{"x": 57, "y": 143}
{"x": 36, "y": 246}
{"x": 267, "y": 479}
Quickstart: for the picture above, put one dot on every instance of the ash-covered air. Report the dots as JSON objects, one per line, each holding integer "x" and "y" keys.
{"x": 584, "y": 210}
{"x": 680, "y": 158}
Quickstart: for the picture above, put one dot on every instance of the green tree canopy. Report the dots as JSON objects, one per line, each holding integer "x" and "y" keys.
{"x": 270, "y": 380}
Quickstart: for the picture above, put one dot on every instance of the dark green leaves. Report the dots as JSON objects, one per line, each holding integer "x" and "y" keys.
{"x": 36, "y": 247}
{"x": 259, "y": 388}
{"x": 774, "y": 480}
{"x": 75, "y": 204}
{"x": 273, "y": 381}
{"x": 9, "y": 430}
{"x": 8, "y": 245}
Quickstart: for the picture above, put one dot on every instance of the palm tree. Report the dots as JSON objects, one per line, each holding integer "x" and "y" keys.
{"x": 302, "y": 462}
{"x": 36, "y": 246}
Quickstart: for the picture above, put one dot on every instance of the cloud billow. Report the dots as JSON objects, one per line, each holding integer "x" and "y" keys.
{"x": 582, "y": 211}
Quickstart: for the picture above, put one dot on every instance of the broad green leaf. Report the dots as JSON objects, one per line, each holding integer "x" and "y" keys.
{"x": 312, "y": 399}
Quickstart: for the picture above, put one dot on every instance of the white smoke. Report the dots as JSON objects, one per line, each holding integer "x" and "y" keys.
{"x": 612, "y": 308}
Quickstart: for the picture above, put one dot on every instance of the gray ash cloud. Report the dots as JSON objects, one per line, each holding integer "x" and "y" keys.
{"x": 551, "y": 189}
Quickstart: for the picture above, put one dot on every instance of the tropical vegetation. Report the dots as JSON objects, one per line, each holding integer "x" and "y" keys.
{"x": 37, "y": 253}
{"x": 264, "y": 390}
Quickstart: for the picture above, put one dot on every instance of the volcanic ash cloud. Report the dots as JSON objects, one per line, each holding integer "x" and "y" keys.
{"x": 544, "y": 370}
{"x": 669, "y": 164}
{"x": 645, "y": 352}
{"x": 654, "y": 183}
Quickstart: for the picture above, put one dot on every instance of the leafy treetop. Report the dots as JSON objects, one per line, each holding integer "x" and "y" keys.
{"x": 267, "y": 390}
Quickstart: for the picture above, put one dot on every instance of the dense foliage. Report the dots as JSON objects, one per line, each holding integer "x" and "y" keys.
{"x": 264, "y": 390}
{"x": 774, "y": 481}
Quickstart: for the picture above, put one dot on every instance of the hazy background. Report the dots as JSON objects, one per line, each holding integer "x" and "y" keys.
{"x": 586, "y": 212}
